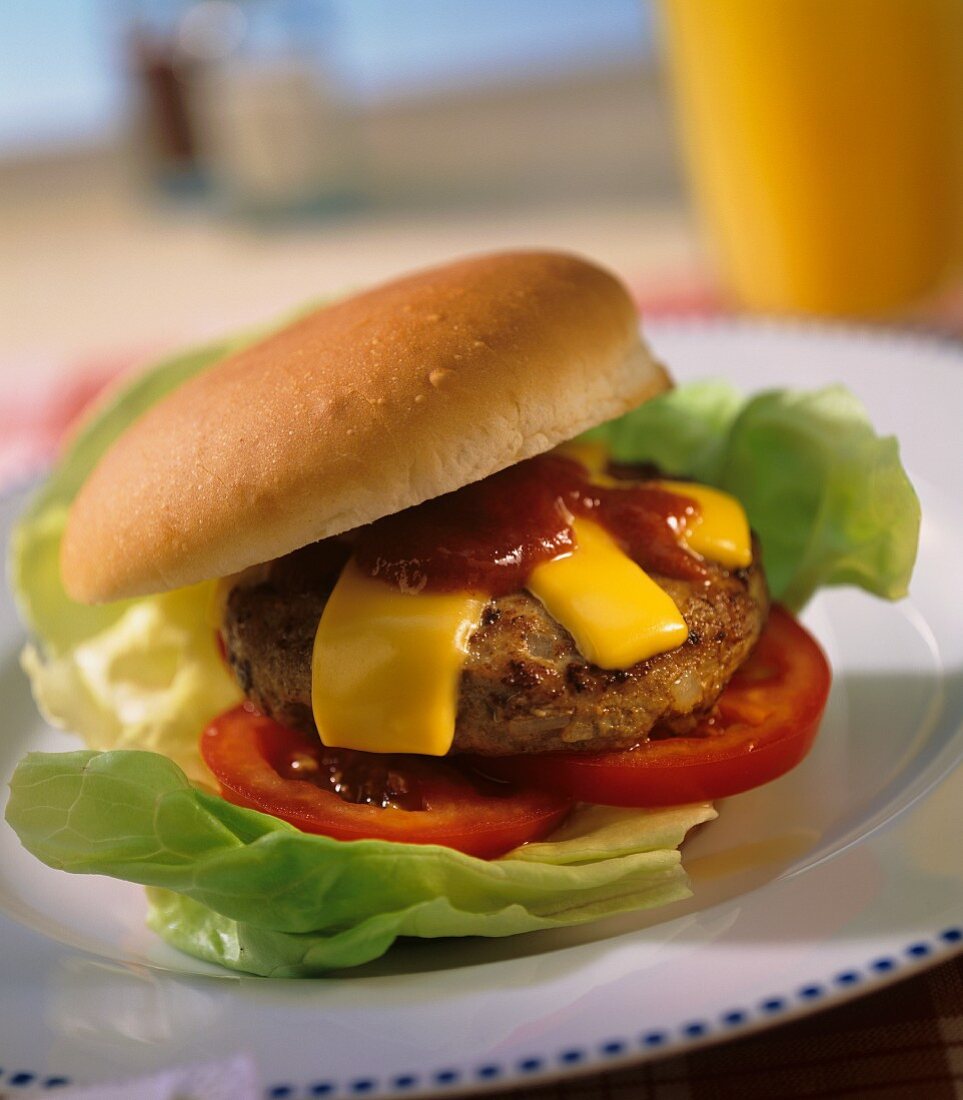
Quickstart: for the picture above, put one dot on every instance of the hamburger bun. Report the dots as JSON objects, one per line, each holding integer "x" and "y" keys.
{"x": 357, "y": 410}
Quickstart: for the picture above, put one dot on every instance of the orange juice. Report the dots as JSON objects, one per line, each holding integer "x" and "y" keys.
{"x": 824, "y": 140}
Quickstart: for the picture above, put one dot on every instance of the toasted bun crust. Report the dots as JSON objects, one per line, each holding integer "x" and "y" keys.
{"x": 355, "y": 411}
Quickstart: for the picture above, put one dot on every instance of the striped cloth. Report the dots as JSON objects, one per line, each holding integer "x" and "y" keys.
{"x": 903, "y": 1043}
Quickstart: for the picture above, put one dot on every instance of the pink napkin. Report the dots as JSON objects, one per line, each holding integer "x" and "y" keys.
{"x": 35, "y": 418}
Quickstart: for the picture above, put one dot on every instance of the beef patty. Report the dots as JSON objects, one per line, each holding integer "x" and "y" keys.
{"x": 524, "y": 686}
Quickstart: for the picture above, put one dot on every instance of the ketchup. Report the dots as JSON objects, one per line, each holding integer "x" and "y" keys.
{"x": 403, "y": 781}
{"x": 489, "y": 536}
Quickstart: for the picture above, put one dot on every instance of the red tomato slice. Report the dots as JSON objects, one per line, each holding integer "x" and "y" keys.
{"x": 356, "y": 795}
{"x": 765, "y": 723}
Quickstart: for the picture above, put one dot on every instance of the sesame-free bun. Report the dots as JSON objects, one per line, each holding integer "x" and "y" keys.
{"x": 357, "y": 410}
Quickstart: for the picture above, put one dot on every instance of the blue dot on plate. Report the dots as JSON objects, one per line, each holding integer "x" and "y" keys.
{"x": 616, "y": 1046}
{"x": 952, "y": 935}
{"x": 530, "y": 1065}
{"x": 918, "y": 950}
{"x": 848, "y": 977}
{"x": 364, "y": 1085}
{"x": 883, "y": 966}
{"x": 694, "y": 1030}
{"x": 488, "y": 1072}
{"x": 446, "y": 1076}
{"x": 405, "y": 1081}
{"x": 278, "y": 1092}
{"x": 733, "y": 1018}
{"x": 653, "y": 1039}
{"x": 22, "y": 1079}
{"x": 322, "y": 1088}
{"x": 774, "y": 1004}
{"x": 570, "y": 1057}
{"x": 811, "y": 992}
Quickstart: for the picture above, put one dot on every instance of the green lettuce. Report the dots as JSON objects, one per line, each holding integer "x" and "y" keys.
{"x": 831, "y": 505}
{"x": 828, "y": 498}
{"x": 253, "y": 893}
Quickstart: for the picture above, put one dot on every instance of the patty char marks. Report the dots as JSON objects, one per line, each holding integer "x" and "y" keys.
{"x": 524, "y": 686}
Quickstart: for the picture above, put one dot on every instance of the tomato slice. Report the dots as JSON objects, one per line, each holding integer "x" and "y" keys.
{"x": 765, "y": 723}
{"x": 353, "y": 795}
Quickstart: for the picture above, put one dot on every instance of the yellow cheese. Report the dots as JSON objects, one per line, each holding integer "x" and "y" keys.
{"x": 591, "y": 455}
{"x": 385, "y": 667}
{"x": 615, "y": 612}
{"x": 721, "y": 532}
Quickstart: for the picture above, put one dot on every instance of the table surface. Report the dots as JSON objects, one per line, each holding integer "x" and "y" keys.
{"x": 94, "y": 267}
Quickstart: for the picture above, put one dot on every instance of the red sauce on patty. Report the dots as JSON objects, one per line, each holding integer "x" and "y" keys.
{"x": 489, "y": 536}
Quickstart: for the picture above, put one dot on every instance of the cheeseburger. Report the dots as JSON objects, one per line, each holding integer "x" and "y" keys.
{"x": 427, "y": 615}
{"x": 450, "y": 616}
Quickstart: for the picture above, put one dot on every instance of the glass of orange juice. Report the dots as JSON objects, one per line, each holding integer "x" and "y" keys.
{"x": 825, "y": 143}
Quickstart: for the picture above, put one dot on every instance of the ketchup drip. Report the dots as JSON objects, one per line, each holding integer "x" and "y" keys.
{"x": 489, "y": 536}
{"x": 403, "y": 781}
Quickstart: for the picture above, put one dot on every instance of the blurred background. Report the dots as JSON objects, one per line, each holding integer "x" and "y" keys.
{"x": 170, "y": 169}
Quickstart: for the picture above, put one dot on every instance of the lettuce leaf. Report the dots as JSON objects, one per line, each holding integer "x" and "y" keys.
{"x": 153, "y": 679}
{"x": 241, "y": 888}
{"x": 827, "y": 496}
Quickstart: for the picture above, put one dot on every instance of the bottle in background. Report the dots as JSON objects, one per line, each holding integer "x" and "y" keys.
{"x": 242, "y": 97}
{"x": 825, "y": 146}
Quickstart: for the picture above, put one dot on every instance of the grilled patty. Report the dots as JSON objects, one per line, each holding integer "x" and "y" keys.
{"x": 524, "y": 686}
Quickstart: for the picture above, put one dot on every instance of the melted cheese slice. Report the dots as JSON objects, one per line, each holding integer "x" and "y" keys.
{"x": 721, "y": 531}
{"x": 386, "y": 664}
{"x": 613, "y": 609}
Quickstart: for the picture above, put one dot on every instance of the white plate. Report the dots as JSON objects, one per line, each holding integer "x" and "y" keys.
{"x": 837, "y": 878}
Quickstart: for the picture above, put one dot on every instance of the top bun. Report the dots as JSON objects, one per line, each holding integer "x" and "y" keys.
{"x": 357, "y": 410}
